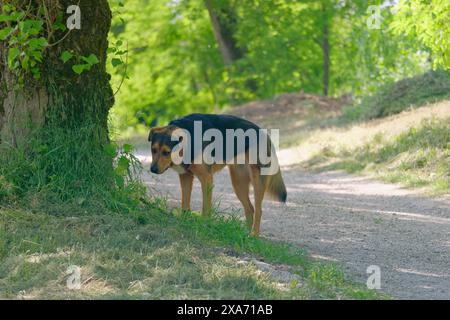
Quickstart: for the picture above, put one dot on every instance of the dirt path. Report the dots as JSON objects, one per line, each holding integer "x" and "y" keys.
{"x": 353, "y": 221}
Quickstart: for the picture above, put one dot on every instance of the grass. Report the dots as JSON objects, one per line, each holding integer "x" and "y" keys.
{"x": 394, "y": 98}
{"x": 72, "y": 168}
{"x": 419, "y": 157}
{"x": 153, "y": 255}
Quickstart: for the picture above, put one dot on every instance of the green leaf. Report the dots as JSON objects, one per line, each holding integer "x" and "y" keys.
{"x": 13, "y": 53}
{"x": 37, "y": 55}
{"x": 4, "y": 33}
{"x": 59, "y": 26}
{"x": 127, "y": 148}
{"x": 111, "y": 150}
{"x": 123, "y": 163}
{"x": 31, "y": 27}
{"x": 26, "y": 63}
{"x": 4, "y": 18}
{"x": 36, "y": 73}
{"x": 116, "y": 62}
{"x": 17, "y": 16}
{"x": 91, "y": 60}
{"x": 66, "y": 56}
{"x": 8, "y": 8}
{"x": 37, "y": 43}
{"x": 80, "y": 68}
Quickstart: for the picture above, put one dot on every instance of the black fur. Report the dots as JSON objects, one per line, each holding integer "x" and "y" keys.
{"x": 219, "y": 122}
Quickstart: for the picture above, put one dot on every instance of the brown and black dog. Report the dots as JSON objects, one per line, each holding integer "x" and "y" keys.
{"x": 242, "y": 175}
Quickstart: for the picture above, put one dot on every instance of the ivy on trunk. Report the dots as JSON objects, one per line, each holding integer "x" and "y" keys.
{"x": 60, "y": 97}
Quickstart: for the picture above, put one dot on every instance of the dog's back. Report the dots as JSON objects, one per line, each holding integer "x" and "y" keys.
{"x": 274, "y": 184}
{"x": 221, "y": 123}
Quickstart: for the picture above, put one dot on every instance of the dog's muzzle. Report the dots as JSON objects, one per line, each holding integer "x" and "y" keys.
{"x": 154, "y": 169}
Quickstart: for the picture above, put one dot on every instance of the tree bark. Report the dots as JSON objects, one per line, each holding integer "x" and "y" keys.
{"x": 61, "y": 97}
{"x": 222, "y": 23}
{"x": 325, "y": 50}
{"x": 326, "y": 59}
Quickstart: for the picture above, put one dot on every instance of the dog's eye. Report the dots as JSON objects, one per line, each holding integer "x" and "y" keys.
{"x": 166, "y": 153}
{"x": 154, "y": 150}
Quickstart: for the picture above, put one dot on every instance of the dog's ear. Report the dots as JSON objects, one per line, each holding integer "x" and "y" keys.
{"x": 162, "y": 130}
{"x": 150, "y": 135}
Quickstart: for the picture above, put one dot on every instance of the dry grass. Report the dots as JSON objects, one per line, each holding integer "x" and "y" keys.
{"x": 334, "y": 139}
{"x": 156, "y": 256}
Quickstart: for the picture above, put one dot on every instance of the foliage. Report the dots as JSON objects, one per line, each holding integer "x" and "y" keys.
{"x": 23, "y": 35}
{"x": 171, "y": 57}
{"x": 429, "y": 23}
{"x": 395, "y": 97}
{"x": 176, "y": 67}
{"x": 28, "y": 30}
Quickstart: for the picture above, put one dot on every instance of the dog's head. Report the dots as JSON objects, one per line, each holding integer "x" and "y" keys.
{"x": 161, "y": 144}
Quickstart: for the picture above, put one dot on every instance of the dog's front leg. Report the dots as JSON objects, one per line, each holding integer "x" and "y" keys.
{"x": 186, "y": 181}
{"x": 207, "y": 188}
{"x": 204, "y": 174}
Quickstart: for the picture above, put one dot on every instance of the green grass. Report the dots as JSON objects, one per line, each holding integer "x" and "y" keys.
{"x": 418, "y": 158}
{"x": 394, "y": 98}
{"x": 153, "y": 255}
{"x": 72, "y": 168}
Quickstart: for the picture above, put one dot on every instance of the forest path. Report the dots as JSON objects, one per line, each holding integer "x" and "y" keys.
{"x": 350, "y": 220}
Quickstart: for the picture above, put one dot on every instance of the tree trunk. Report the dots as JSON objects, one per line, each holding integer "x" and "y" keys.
{"x": 61, "y": 97}
{"x": 222, "y": 23}
{"x": 325, "y": 49}
{"x": 326, "y": 59}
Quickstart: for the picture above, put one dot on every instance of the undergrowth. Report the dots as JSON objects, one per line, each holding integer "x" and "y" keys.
{"x": 419, "y": 157}
{"x": 396, "y": 97}
{"x": 70, "y": 168}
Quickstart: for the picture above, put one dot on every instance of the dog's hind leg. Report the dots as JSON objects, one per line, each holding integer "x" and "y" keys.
{"x": 186, "y": 181}
{"x": 259, "y": 189}
{"x": 240, "y": 179}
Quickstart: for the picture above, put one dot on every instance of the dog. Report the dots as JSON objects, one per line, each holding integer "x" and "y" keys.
{"x": 243, "y": 174}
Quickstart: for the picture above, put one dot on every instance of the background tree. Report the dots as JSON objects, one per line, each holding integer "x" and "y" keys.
{"x": 181, "y": 62}
{"x": 429, "y": 22}
{"x": 224, "y": 23}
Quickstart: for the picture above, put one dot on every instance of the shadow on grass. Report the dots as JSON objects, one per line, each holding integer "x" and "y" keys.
{"x": 151, "y": 255}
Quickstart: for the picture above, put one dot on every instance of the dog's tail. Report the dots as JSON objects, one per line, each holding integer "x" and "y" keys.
{"x": 275, "y": 188}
